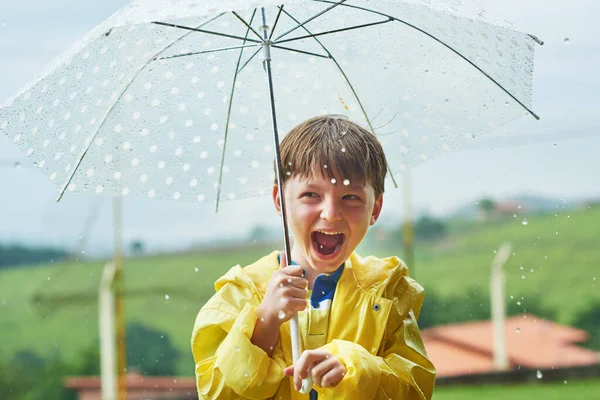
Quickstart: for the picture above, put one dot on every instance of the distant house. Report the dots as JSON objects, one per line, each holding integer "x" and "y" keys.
{"x": 531, "y": 342}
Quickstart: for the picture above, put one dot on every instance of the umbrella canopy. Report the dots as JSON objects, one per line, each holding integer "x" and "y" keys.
{"x": 167, "y": 99}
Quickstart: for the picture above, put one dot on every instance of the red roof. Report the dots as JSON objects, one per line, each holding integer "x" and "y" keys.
{"x": 531, "y": 342}
{"x": 136, "y": 381}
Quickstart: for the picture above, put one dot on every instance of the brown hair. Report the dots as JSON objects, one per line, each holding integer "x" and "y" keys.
{"x": 335, "y": 148}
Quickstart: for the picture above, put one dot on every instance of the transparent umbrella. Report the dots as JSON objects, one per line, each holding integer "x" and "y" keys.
{"x": 168, "y": 98}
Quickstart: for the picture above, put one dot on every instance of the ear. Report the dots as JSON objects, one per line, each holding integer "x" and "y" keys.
{"x": 276, "y": 201}
{"x": 376, "y": 209}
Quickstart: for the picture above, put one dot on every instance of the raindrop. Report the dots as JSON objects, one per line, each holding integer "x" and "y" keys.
{"x": 333, "y": 180}
{"x": 237, "y": 349}
{"x": 539, "y": 374}
{"x": 196, "y": 269}
{"x": 280, "y": 315}
{"x": 245, "y": 374}
{"x": 48, "y": 278}
{"x": 565, "y": 381}
{"x": 522, "y": 276}
{"x": 567, "y": 40}
{"x": 346, "y": 182}
{"x": 167, "y": 297}
{"x": 289, "y": 280}
{"x": 518, "y": 303}
{"x": 343, "y": 149}
{"x": 518, "y": 330}
{"x": 17, "y": 165}
{"x": 524, "y": 222}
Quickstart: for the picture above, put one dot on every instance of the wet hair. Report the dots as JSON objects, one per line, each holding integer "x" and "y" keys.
{"x": 333, "y": 147}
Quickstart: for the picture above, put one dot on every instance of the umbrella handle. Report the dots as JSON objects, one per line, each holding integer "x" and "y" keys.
{"x": 295, "y": 334}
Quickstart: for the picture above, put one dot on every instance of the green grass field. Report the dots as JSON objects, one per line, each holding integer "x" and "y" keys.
{"x": 580, "y": 390}
{"x": 64, "y": 318}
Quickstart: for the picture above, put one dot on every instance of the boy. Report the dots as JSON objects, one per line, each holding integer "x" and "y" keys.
{"x": 359, "y": 329}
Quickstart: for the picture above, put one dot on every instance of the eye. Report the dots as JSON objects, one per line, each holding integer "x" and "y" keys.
{"x": 351, "y": 197}
{"x": 309, "y": 194}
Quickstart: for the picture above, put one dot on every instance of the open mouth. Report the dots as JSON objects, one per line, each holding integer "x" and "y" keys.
{"x": 327, "y": 244}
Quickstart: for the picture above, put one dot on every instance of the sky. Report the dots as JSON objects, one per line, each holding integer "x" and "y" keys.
{"x": 554, "y": 157}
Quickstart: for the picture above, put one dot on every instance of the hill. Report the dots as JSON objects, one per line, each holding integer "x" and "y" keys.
{"x": 52, "y": 308}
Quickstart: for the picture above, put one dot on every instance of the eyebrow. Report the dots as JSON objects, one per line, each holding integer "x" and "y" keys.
{"x": 354, "y": 187}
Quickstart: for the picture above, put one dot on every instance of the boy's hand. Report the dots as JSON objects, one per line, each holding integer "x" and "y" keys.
{"x": 325, "y": 369}
{"x": 285, "y": 295}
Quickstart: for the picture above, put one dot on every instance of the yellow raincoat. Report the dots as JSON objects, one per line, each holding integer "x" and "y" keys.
{"x": 372, "y": 329}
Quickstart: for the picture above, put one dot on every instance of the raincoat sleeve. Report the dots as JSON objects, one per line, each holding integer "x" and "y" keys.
{"x": 401, "y": 370}
{"x": 228, "y": 365}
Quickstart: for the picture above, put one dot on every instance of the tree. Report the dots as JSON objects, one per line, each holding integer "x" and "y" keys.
{"x": 150, "y": 351}
{"x": 428, "y": 228}
{"x": 487, "y": 206}
{"x": 589, "y": 320}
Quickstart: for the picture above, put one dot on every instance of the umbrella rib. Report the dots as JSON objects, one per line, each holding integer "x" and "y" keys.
{"x": 276, "y": 21}
{"x": 107, "y": 113}
{"x": 248, "y": 61}
{"x": 300, "y": 51}
{"x": 351, "y": 88}
{"x": 301, "y": 25}
{"x": 247, "y": 25}
{"x": 337, "y": 30}
{"x": 235, "y": 75}
{"x": 189, "y": 28}
{"x": 445, "y": 45}
{"x": 208, "y": 51}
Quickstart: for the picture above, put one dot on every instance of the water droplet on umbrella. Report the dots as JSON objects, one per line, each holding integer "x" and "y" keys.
{"x": 539, "y": 374}
{"x": 524, "y": 222}
{"x": 280, "y": 315}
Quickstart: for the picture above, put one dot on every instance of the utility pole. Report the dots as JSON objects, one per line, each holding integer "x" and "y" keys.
{"x": 408, "y": 236}
{"x": 119, "y": 289}
{"x": 497, "y": 283}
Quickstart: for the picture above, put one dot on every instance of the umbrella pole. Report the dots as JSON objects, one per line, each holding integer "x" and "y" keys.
{"x": 294, "y": 326}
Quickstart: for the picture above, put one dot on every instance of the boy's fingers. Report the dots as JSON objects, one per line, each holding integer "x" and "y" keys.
{"x": 289, "y": 371}
{"x": 293, "y": 270}
{"x": 325, "y": 368}
{"x": 296, "y": 282}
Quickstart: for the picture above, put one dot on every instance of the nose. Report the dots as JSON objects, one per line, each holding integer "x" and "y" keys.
{"x": 330, "y": 210}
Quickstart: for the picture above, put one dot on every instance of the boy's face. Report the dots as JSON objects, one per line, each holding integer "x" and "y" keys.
{"x": 328, "y": 220}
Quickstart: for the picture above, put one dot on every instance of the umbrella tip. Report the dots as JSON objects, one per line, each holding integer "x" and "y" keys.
{"x": 536, "y": 39}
